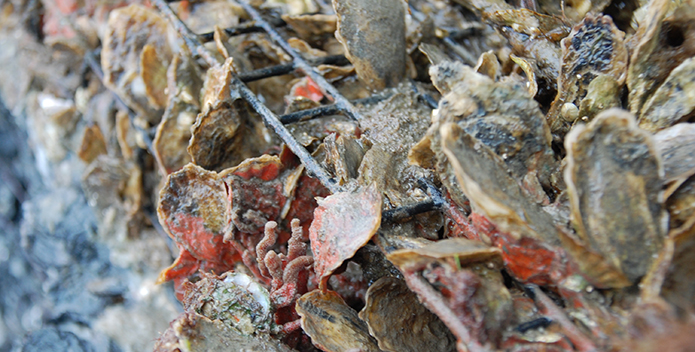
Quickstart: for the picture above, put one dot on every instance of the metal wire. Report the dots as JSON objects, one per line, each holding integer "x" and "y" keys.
{"x": 278, "y": 70}
{"x": 302, "y": 65}
{"x": 244, "y": 28}
{"x": 326, "y": 110}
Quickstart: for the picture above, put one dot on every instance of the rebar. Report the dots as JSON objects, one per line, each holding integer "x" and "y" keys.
{"x": 326, "y": 110}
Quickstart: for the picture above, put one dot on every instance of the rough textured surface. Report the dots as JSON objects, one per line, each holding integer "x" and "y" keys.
{"x": 332, "y": 324}
{"x": 342, "y": 224}
{"x": 400, "y": 322}
{"x": 373, "y": 34}
{"x": 594, "y": 48}
{"x": 614, "y": 176}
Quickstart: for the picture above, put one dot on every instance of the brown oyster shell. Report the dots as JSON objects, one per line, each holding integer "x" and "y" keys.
{"x": 501, "y": 116}
{"x": 614, "y": 177}
{"x": 672, "y": 102}
{"x": 522, "y": 28}
{"x": 332, "y": 325}
{"x": 93, "y": 144}
{"x": 594, "y": 48}
{"x": 679, "y": 283}
{"x": 135, "y": 36}
{"x": 456, "y": 251}
{"x": 681, "y": 204}
{"x": 399, "y": 322}
{"x": 664, "y": 39}
{"x": 226, "y": 132}
{"x": 373, "y": 34}
{"x": 676, "y": 145}
{"x": 482, "y": 176}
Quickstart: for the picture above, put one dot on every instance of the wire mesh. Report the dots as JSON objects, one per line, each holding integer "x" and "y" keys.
{"x": 341, "y": 105}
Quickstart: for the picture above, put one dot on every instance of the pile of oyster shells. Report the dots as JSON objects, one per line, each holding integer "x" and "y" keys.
{"x": 560, "y": 155}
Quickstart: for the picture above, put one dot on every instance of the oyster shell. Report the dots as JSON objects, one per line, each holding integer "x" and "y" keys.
{"x": 225, "y": 132}
{"x": 93, "y": 144}
{"x": 673, "y": 101}
{"x": 373, "y": 34}
{"x": 500, "y": 116}
{"x": 482, "y": 176}
{"x": 192, "y": 332}
{"x": 664, "y": 39}
{"x": 332, "y": 325}
{"x": 457, "y": 251}
{"x": 595, "y": 48}
{"x": 676, "y": 146}
{"x": 234, "y": 299}
{"x": 614, "y": 178}
{"x": 174, "y": 131}
{"x": 681, "y": 204}
{"x": 343, "y": 223}
{"x": 193, "y": 209}
{"x": 135, "y": 56}
{"x": 399, "y": 322}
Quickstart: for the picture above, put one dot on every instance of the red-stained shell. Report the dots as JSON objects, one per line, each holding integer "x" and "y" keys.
{"x": 343, "y": 223}
{"x": 194, "y": 210}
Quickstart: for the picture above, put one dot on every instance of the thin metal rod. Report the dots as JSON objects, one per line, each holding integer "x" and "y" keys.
{"x": 261, "y": 73}
{"x": 244, "y": 28}
{"x": 283, "y": 69}
{"x": 301, "y": 64}
{"x": 326, "y": 110}
{"x": 309, "y": 114}
{"x": 190, "y": 38}
{"x": 407, "y": 211}
{"x": 435, "y": 202}
{"x": 272, "y": 121}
